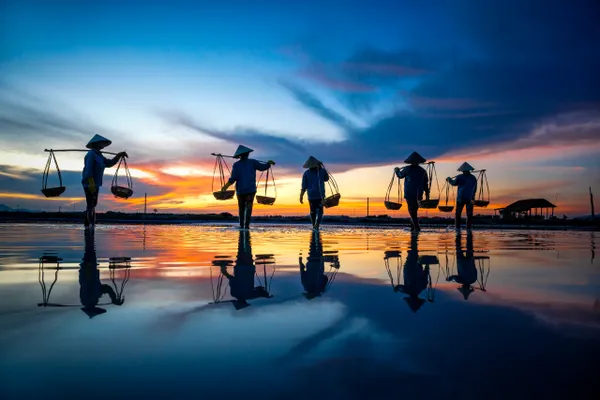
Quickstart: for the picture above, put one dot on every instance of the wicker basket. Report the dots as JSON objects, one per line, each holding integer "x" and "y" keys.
{"x": 224, "y": 194}
{"x": 54, "y": 192}
{"x": 269, "y": 201}
{"x": 332, "y": 201}
{"x": 121, "y": 192}
{"x": 429, "y": 204}
{"x": 392, "y": 254}
{"x": 481, "y": 203}
{"x": 429, "y": 260}
{"x": 446, "y": 208}
{"x": 392, "y": 205}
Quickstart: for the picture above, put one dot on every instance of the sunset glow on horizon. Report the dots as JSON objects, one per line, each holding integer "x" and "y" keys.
{"x": 173, "y": 82}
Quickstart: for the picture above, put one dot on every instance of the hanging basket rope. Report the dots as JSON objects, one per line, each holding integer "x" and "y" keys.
{"x": 389, "y": 254}
{"x": 52, "y": 191}
{"x": 389, "y": 204}
{"x": 122, "y": 263}
{"x": 221, "y": 165}
{"x": 331, "y": 275}
{"x": 218, "y": 290}
{"x": 46, "y": 258}
{"x": 483, "y": 195}
{"x": 484, "y": 271}
{"x": 122, "y": 192}
{"x": 446, "y": 190}
{"x": 263, "y": 260}
{"x": 333, "y": 200}
{"x": 432, "y": 202}
{"x": 431, "y": 287}
{"x": 267, "y": 200}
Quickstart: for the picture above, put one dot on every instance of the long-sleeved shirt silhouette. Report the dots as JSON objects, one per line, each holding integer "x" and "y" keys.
{"x": 313, "y": 181}
{"x": 416, "y": 181}
{"x": 94, "y": 165}
{"x": 243, "y": 174}
{"x": 241, "y": 283}
{"x": 91, "y": 289}
{"x": 416, "y": 277}
{"x": 467, "y": 186}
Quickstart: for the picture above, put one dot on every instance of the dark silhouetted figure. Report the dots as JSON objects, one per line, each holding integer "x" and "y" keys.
{"x": 241, "y": 283}
{"x": 313, "y": 182}
{"x": 467, "y": 271}
{"x": 467, "y": 187}
{"x": 90, "y": 287}
{"x": 416, "y": 277}
{"x": 416, "y": 183}
{"x": 243, "y": 174}
{"x": 93, "y": 171}
{"x": 312, "y": 274}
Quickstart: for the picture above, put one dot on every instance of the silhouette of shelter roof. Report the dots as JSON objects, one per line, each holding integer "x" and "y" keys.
{"x": 526, "y": 205}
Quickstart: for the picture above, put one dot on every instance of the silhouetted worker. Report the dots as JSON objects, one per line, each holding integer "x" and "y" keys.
{"x": 90, "y": 287}
{"x": 312, "y": 274}
{"x": 241, "y": 283}
{"x": 243, "y": 174}
{"x": 467, "y": 187}
{"x": 313, "y": 182}
{"x": 416, "y": 277}
{"x": 467, "y": 271}
{"x": 416, "y": 183}
{"x": 93, "y": 171}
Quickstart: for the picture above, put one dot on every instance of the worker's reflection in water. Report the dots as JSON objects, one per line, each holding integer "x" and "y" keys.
{"x": 467, "y": 271}
{"x": 416, "y": 277}
{"x": 90, "y": 287}
{"x": 241, "y": 283}
{"x": 313, "y": 276}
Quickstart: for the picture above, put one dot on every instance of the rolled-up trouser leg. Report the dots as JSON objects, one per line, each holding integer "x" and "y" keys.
{"x": 313, "y": 213}
{"x": 91, "y": 201}
{"x": 316, "y": 212}
{"x": 458, "y": 214}
{"x": 469, "y": 216}
{"x": 245, "y": 203}
{"x": 413, "y": 211}
{"x": 241, "y": 198}
{"x": 248, "y": 214}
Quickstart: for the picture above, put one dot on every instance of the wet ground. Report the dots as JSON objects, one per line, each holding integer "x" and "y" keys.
{"x": 281, "y": 312}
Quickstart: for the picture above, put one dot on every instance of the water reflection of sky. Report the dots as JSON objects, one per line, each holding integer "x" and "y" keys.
{"x": 190, "y": 311}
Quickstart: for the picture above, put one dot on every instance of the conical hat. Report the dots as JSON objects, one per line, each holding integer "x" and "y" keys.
{"x": 98, "y": 139}
{"x": 466, "y": 291}
{"x": 311, "y": 296}
{"x": 415, "y": 158}
{"x": 93, "y": 311}
{"x": 465, "y": 167}
{"x": 242, "y": 150}
{"x": 240, "y": 304}
{"x": 428, "y": 260}
{"x": 311, "y": 163}
{"x": 415, "y": 303}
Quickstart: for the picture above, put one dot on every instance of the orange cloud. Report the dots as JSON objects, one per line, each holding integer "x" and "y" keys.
{"x": 26, "y": 196}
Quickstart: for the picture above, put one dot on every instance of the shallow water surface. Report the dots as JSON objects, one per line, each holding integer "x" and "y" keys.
{"x": 282, "y": 312}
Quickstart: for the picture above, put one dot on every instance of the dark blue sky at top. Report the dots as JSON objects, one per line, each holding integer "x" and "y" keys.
{"x": 435, "y": 76}
{"x": 49, "y": 26}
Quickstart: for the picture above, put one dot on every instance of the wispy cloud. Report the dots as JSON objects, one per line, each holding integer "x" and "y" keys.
{"x": 311, "y": 102}
{"x": 29, "y": 119}
{"x": 321, "y": 76}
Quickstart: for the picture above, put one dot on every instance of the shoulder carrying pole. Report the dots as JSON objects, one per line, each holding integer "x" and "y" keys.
{"x": 222, "y": 155}
{"x": 73, "y": 150}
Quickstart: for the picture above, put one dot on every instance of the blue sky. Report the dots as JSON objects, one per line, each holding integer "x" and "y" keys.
{"x": 359, "y": 84}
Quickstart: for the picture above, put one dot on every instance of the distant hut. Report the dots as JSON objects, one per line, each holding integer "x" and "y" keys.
{"x": 528, "y": 208}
